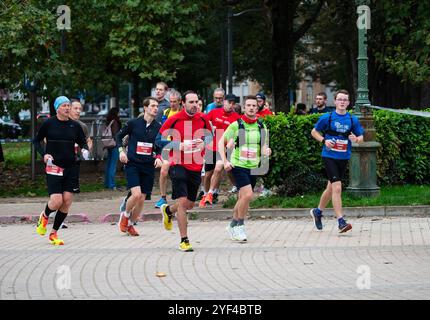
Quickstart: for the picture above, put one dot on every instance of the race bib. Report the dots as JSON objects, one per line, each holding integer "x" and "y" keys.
{"x": 190, "y": 146}
{"x": 54, "y": 170}
{"x": 340, "y": 145}
{"x": 144, "y": 148}
{"x": 248, "y": 154}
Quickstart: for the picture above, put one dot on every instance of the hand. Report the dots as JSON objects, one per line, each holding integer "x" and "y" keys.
{"x": 200, "y": 144}
{"x": 85, "y": 154}
{"x": 158, "y": 163}
{"x": 228, "y": 166}
{"x": 266, "y": 151}
{"x": 329, "y": 144}
{"x": 46, "y": 157}
{"x": 353, "y": 137}
{"x": 123, "y": 157}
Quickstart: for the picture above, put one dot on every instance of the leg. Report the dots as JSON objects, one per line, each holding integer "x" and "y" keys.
{"x": 337, "y": 198}
{"x": 325, "y": 197}
{"x": 163, "y": 178}
{"x": 245, "y": 198}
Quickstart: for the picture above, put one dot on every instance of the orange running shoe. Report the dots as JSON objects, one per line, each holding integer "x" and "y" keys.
{"x": 54, "y": 239}
{"x": 41, "y": 224}
{"x": 209, "y": 198}
{"x": 131, "y": 231}
{"x": 123, "y": 222}
{"x": 202, "y": 202}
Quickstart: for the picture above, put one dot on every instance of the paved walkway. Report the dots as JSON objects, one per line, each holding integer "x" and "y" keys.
{"x": 386, "y": 258}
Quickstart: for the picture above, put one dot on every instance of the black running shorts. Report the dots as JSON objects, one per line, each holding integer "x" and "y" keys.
{"x": 69, "y": 181}
{"x": 335, "y": 168}
{"x": 185, "y": 183}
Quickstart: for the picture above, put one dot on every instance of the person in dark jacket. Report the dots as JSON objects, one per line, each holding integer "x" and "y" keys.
{"x": 113, "y": 153}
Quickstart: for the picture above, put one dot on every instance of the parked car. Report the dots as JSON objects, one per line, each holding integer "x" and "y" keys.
{"x": 9, "y": 130}
{"x": 43, "y": 115}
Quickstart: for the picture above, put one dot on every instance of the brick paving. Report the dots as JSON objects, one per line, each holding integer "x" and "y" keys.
{"x": 382, "y": 258}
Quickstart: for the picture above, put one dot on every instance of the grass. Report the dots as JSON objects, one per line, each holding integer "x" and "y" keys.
{"x": 16, "y": 154}
{"x": 407, "y": 195}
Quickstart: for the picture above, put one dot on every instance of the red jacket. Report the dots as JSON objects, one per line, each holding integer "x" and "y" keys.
{"x": 185, "y": 128}
{"x": 264, "y": 112}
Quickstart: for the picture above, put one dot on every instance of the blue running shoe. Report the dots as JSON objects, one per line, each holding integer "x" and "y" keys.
{"x": 344, "y": 226}
{"x": 160, "y": 203}
{"x": 317, "y": 219}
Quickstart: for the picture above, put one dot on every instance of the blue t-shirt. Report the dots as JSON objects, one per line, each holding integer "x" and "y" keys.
{"x": 211, "y": 106}
{"x": 342, "y": 124}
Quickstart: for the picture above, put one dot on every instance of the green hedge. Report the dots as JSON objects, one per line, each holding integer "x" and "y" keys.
{"x": 296, "y": 164}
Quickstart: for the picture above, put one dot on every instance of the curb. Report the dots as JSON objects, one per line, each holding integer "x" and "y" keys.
{"x": 75, "y": 218}
{"x": 224, "y": 214}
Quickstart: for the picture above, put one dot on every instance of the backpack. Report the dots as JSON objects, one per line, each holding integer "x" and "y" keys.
{"x": 108, "y": 140}
{"x": 242, "y": 136}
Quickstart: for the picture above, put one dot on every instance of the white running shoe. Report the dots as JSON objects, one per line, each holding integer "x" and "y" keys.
{"x": 240, "y": 234}
{"x": 232, "y": 232}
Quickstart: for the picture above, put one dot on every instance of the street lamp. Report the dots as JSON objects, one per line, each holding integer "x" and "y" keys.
{"x": 230, "y": 16}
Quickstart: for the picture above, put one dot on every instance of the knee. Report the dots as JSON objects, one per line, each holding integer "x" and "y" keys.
{"x": 55, "y": 203}
{"x": 336, "y": 187}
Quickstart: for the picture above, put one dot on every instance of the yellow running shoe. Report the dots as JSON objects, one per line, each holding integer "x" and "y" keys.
{"x": 185, "y": 246}
{"x": 167, "y": 221}
{"x": 54, "y": 239}
{"x": 41, "y": 224}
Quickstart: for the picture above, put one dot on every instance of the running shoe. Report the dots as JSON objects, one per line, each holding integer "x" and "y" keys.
{"x": 200, "y": 195}
{"x": 233, "y": 190}
{"x": 131, "y": 231}
{"x": 240, "y": 234}
{"x": 41, "y": 224}
{"x": 123, "y": 222}
{"x": 202, "y": 202}
{"x": 232, "y": 232}
{"x": 344, "y": 226}
{"x": 209, "y": 198}
{"x": 167, "y": 220}
{"x": 317, "y": 219}
{"x": 160, "y": 202}
{"x": 54, "y": 239}
{"x": 185, "y": 246}
{"x": 215, "y": 198}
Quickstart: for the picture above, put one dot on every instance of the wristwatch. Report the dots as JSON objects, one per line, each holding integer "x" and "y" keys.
{"x": 120, "y": 149}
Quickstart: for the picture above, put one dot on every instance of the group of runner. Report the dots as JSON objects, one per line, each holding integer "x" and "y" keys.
{"x": 182, "y": 145}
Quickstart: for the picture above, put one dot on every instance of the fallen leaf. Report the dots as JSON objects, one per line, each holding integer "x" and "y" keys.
{"x": 160, "y": 274}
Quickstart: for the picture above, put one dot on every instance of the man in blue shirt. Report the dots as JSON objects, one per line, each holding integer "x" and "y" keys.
{"x": 336, "y": 131}
{"x": 219, "y": 95}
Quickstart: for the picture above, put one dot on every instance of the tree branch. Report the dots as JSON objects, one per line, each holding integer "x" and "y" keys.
{"x": 300, "y": 32}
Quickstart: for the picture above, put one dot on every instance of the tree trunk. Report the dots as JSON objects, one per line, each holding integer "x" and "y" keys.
{"x": 136, "y": 96}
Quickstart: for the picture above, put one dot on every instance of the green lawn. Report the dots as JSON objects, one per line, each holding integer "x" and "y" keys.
{"x": 16, "y": 154}
{"x": 407, "y": 195}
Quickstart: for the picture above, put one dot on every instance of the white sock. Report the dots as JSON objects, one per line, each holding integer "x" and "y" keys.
{"x": 126, "y": 214}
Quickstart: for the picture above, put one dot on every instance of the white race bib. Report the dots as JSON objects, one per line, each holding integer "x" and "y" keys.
{"x": 340, "y": 145}
{"x": 248, "y": 154}
{"x": 190, "y": 146}
{"x": 54, "y": 170}
{"x": 144, "y": 148}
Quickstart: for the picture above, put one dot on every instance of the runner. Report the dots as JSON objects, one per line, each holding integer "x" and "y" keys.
{"x": 263, "y": 107}
{"x": 62, "y": 170}
{"x": 189, "y": 132}
{"x": 139, "y": 161}
{"x": 175, "y": 107}
{"x": 336, "y": 130}
{"x": 220, "y": 119}
{"x": 248, "y": 136}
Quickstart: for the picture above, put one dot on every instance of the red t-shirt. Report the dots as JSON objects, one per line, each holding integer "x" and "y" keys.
{"x": 220, "y": 121}
{"x": 185, "y": 128}
{"x": 264, "y": 112}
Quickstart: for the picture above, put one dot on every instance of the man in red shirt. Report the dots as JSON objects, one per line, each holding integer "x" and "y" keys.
{"x": 189, "y": 131}
{"x": 220, "y": 119}
{"x": 263, "y": 108}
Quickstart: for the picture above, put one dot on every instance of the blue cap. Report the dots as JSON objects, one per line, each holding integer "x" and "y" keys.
{"x": 59, "y": 101}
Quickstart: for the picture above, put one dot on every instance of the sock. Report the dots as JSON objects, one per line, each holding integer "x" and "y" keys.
{"x": 164, "y": 197}
{"x": 240, "y": 222}
{"x": 48, "y": 211}
{"x": 169, "y": 213}
{"x": 59, "y": 219}
{"x": 127, "y": 214}
{"x": 318, "y": 211}
{"x": 211, "y": 191}
{"x": 233, "y": 223}
{"x": 185, "y": 239}
{"x": 215, "y": 191}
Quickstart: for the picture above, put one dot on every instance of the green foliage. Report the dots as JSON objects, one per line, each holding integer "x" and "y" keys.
{"x": 295, "y": 164}
{"x": 405, "y": 153}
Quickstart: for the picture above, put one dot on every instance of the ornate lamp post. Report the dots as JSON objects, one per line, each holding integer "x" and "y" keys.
{"x": 363, "y": 165}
